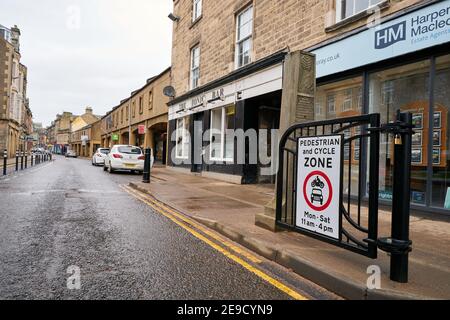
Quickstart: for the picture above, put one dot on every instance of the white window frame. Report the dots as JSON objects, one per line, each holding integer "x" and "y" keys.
{"x": 183, "y": 134}
{"x": 194, "y": 69}
{"x": 222, "y": 157}
{"x": 339, "y": 8}
{"x": 197, "y": 7}
{"x": 247, "y": 38}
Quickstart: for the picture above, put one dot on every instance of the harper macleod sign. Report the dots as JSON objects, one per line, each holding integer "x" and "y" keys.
{"x": 423, "y": 28}
{"x": 319, "y": 184}
{"x": 426, "y": 25}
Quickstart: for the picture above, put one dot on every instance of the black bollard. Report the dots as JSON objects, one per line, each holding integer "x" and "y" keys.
{"x": 31, "y": 157}
{"x": 21, "y": 160}
{"x": 17, "y": 160}
{"x": 26, "y": 160}
{"x": 5, "y": 161}
{"x": 147, "y": 166}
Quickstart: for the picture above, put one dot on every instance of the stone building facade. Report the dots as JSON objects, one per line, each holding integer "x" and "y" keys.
{"x": 86, "y": 140}
{"x": 59, "y": 132}
{"x": 141, "y": 119}
{"x": 15, "y": 113}
{"x": 227, "y": 73}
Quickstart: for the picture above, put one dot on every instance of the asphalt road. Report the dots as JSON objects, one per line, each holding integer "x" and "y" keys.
{"x": 68, "y": 213}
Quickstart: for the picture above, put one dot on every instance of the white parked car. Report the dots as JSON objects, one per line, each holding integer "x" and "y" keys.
{"x": 122, "y": 157}
{"x": 99, "y": 156}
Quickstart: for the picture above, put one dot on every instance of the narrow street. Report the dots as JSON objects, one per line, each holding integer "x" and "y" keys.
{"x": 69, "y": 213}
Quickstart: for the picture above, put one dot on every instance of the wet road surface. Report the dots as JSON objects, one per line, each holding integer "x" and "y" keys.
{"x": 68, "y": 213}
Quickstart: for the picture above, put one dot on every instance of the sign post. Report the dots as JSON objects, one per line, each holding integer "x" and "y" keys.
{"x": 319, "y": 185}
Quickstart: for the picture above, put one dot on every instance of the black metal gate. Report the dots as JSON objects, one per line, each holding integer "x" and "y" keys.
{"x": 359, "y": 227}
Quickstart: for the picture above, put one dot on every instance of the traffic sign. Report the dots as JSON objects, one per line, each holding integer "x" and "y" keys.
{"x": 319, "y": 181}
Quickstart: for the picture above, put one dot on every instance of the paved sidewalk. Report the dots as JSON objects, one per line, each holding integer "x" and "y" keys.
{"x": 231, "y": 209}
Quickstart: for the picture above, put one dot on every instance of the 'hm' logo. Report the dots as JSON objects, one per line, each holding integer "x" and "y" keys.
{"x": 390, "y": 35}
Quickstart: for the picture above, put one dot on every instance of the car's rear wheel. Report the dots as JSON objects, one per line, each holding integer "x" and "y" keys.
{"x": 105, "y": 167}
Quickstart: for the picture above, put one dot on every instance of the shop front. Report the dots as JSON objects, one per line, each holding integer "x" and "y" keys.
{"x": 404, "y": 65}
{"x": 205, "y": 124}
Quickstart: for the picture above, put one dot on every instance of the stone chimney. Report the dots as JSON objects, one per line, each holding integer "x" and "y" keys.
{"x": 15, "y": 38}
{"x": 89, "y": 110}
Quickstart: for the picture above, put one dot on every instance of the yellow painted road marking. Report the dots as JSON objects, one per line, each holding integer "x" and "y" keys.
{"x": 228, "y": 244}
{"x": 277, "y": 284}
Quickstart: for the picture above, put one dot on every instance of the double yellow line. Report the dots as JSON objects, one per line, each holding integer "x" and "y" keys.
{"x": 188, "y": 225}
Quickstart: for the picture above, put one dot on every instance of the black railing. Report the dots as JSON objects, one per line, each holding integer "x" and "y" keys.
{"x": 359, "y": 226}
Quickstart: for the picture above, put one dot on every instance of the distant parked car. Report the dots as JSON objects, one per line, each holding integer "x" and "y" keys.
{"x": 99, "y": 156}
{"x": 71, "y": 154}
{"x": 122, "y": 157}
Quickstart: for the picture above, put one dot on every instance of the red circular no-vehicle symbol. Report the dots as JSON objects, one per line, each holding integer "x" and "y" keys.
{"x": 326, "y": 203}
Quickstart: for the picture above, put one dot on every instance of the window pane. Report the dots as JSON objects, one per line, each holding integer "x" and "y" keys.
{"x": 348, "y": 8}
{"x": 216, "y": 133}
{"x": 352, "y": 7}
{"x": 441, "y": 140}
{"x": 404, "y": 88}
{"x": 244, "y": 49}
{"x": 195, "y": 67}
{"x": 361, "y": 5}
{"x": 229, "y": 125}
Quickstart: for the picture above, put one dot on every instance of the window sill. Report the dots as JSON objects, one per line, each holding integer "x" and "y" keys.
{"x": 194, "y": 23}
{"x": 357, "y": 17}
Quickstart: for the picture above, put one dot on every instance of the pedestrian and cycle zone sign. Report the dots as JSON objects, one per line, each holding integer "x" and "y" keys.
{"x": 319, "y": 178}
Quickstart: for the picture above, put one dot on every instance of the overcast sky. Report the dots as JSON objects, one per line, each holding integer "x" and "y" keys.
{"x": 88, "y": 52}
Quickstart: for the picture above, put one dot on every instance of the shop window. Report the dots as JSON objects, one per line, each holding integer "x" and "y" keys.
{"x": 222, "y": 143}
{"x": 244, "y": 32}
{"x": 197, "y": 9}
{"x": 441, "y": 135}
{"x": 348, "y": 8}
{"x": 195, "y": 67}
{"x": 404, "y": 88}
{"x": 182, "y": 136}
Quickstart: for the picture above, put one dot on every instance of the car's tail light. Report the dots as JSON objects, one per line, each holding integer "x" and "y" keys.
{"x": 117, "y": 156}
{"x": 141, "y": 158}
{"x": 98, "y": 155}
